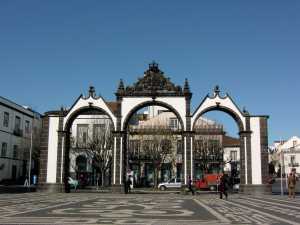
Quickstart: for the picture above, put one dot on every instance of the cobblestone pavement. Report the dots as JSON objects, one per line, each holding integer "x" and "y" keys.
{"x": 95, "y": 208}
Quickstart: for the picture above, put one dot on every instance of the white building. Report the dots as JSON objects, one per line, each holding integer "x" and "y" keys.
{"x": 16, "y": 124}
{"x": 231, "y": 147}
{"x": 287, "y": 153}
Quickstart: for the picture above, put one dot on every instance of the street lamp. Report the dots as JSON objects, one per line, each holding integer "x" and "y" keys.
{"x": 31, "y": 147}
{"x": 282, "y": 167}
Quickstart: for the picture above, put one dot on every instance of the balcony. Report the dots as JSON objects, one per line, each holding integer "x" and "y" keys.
{"x": 18, "y": 132}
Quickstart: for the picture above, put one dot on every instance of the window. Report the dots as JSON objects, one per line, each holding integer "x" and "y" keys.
{"x": 294, "y": 143}
{"x": 17, "y": 123}
{"x": 27, "y": 126}
{"x": 3, "y": 149}
{"x": 134, "y": 146}
{"x": 15, "y": 152}
{"x": 173, "y": 123}
{"x": 98, "y": 130}
{"x": 179, "y": 147}
{"x": 147, "y": 146}
{"x": 292, "y": 159}
{"x": 233, "y": 155}
{"x": 26, "y": 153}
{"x": 82, "y": 134}
{"x": 6, "y": 119}
{"x": 81, "y": 163}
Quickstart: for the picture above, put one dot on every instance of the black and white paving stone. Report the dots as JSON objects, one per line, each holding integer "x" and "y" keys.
{"x": 149, "y": 209}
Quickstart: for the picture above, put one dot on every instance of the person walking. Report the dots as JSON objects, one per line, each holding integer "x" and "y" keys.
{"x": 223, "y": 186}
{"x": 292, "y": 184}
{"x": 190, "y": 186}
{"x": 128, "y": 185}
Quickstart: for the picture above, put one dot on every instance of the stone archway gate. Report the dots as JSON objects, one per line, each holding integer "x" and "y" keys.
{"x": 153, "y": 89}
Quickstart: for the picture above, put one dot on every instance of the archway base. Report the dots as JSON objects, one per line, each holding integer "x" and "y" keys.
{"x": 50, "y": 187}
{"x": 255, "y": 189}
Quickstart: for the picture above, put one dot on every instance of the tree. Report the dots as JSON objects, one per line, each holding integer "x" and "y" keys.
{"x": 156, "y": 147}
{"x": 97, "y": 147}
{"x": 209, "y": 152}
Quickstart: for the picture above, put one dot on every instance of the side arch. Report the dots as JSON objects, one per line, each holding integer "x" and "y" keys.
{"x": 226, "y": 110}
{"x": 85, "y": 109}
{"x": 218, "y": 103}
{"x": 226, "y": 105}
{"x": 65, "y": 137}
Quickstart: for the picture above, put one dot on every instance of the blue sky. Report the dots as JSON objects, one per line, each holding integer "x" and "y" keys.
{"x": 51, "y": 51}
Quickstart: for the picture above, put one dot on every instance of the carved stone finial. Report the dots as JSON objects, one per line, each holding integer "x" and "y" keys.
{"x": 154, "y": 67}
{"x": 245, "y": 111}
{"x": 217, "y": 90}
{"x": 121, "y": 86}
{"x": 186, "y": 88}
{"x": 62, "y": 110}
{"x": 92, "y": 92}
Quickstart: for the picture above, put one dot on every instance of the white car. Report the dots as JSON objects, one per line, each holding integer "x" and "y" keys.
{"x": 173, "y": 183}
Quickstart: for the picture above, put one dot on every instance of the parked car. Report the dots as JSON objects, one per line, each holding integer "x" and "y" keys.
{"x": 73, "y": 183}
{"x": 173, "y": 183}
{"x": 209, "y": 181}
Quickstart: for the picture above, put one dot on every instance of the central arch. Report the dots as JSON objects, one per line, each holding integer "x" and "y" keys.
{"x": 151, "y": 103}
{"x": 127, "y": 134}
{"x": 153, "y": 89}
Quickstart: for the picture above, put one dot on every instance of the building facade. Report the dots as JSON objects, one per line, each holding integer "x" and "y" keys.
{"x": 286, "y": 155}
{"x": 19, "y": 140}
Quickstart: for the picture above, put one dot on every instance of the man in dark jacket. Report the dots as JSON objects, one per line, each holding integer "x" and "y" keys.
{"x": 223, "y": 187}
{"x": 190, "y": 186}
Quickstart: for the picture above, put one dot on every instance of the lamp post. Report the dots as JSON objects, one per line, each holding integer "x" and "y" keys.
{"x": 31, "y": 147}
{"x": 30, "y": 153}
{"x": 282, "y": 166}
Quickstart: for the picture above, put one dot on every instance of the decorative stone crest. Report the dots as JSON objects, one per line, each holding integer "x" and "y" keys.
{"x": 153, "y": 83}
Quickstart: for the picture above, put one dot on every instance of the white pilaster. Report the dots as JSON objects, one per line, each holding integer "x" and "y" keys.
{"x": 191, "y": 158}
{"x": 121, "y": 158}
{"x": 115, "y": 157}
{"x": 52, "y": 149}
{"x": 185, "y": 164}
{"x": 255, "y": 150}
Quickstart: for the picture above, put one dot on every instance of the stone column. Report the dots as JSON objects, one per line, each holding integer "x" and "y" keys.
{"x": 60, "y": 150}
{"x": 118, "y": 159}
{"x": 245, "y": 157}
{"x": 257, "y": 145}
{"x": 117, "y": 164}
{"x": 187, "y": 167}
{"x": 264, "y": 148}
{"x": 43, "y": 152}
{"x": 66, "y": 161}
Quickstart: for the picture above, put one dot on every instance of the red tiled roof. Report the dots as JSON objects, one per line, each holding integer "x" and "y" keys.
{"x": 231, "y": 141}
{"x": 113, "y": 106}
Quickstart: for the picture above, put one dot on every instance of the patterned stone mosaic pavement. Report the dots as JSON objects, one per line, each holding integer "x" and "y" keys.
{"x": 149, "y": 209}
